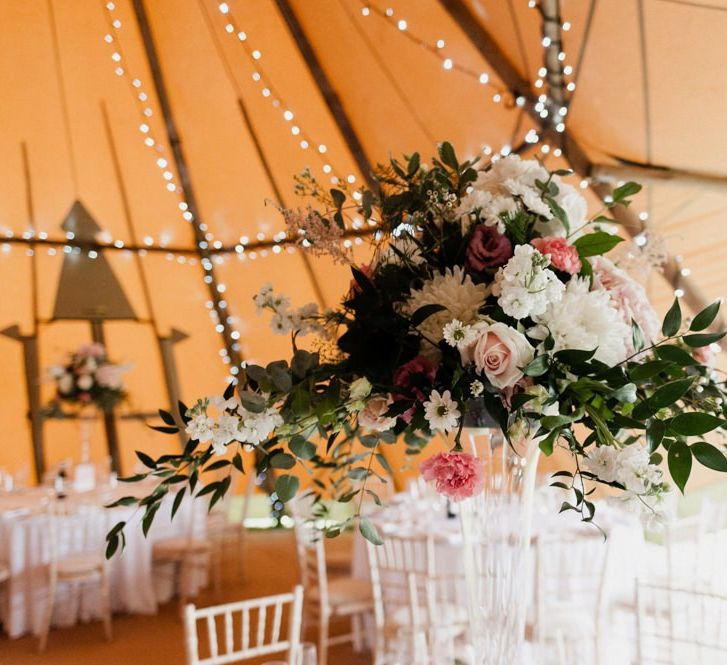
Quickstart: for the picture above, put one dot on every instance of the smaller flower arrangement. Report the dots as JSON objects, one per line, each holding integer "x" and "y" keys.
{"x": 88, "y": 378}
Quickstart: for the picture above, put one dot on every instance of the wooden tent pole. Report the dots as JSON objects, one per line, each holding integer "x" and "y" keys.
{"x": 328, "y": 92}
{"x": 182, "y": 168}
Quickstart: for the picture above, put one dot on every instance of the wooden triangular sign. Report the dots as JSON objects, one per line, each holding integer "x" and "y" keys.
{"x": 88, "y": 288}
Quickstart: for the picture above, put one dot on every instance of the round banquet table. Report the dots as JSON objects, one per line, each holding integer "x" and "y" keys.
{"x": 25, "y": 547}
{"x": 421, "y": 516}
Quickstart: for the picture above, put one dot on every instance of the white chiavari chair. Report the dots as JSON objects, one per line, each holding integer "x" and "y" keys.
{"x": 77, "y": 545}
{"x": 235, "y": 632}
{"x": 329, "y": 599}
{"x": 680, "y": 626}
{"x": 185, "y": 556}
{"x": 570, "y": 576}
{"x": 420, "y": 614}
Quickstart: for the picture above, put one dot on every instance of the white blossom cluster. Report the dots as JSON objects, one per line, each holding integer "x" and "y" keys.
{"x": 304, "y": 320}
{"x": 525, "y": 286}
{"x": 223, "y": 421}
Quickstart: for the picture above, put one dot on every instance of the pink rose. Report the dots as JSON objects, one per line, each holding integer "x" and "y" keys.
{"x": 562, "y": 255}
{"x": 500, "y": 353}
{"x": 508, "y": 393}
{"x": 628, "y": 296}
{"x": 456, "y": 475}
{"x": 109, "y": 376}
{"x": 92, "y": 350}
{"x": 374, "y": 417}
{"x": 487, "y": 248}
{"x": 409, "y": 376}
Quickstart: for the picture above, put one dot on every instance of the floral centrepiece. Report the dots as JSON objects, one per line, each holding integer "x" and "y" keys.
{"x": 487, "y": 285}
{"x": 89, "y": 378}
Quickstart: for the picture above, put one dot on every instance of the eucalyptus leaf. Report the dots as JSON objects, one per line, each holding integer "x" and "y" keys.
{"x": 286, "y": 486}
{"x": 368, "y": 531}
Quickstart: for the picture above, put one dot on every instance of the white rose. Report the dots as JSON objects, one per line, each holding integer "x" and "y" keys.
{"x": 373, "y": 416}
{"x": 65, "y": 384}
{"x": 499, "y": 353}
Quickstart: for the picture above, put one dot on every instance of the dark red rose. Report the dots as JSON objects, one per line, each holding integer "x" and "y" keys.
{"x": 409, "y": 376}
{"x": 488, "y": 248}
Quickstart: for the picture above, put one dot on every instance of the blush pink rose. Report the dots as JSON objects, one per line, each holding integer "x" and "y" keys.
{"x": 409, "y": 378}
{"x": 562, "y": 255}
{"x": 374, "y": 417}
{"x": 487, "y": 248}
{"x": 500, "y": 353}
{"x": 628, "y": 296}
{"x": 456, "y": 475}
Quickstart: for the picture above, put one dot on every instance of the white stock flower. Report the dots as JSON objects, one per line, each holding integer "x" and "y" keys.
{"x": 459, "y": 334}
{"x": 602, "y": 462}
{"x": 634, "y": 471}
{"x": 525, "y": 286}
{"x": 456, "y": 292}
{"x": 257, "y": 427}
{"x": 225, "y": 431}
{"x": 200, "y": 427}
{"x": 441, "y": 411}
{"x": 585, "y": 320}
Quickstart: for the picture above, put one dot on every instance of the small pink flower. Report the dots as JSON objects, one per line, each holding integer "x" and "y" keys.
{"x": 704, "y": 355}
{"x": 562, "y": 255}
{"x": 374, "y": 417}
{"x": 92, "y": 350}
{"x": 456, "y": 475}
{"x": 409, "y": 377}
{"x": 488, "y": 248}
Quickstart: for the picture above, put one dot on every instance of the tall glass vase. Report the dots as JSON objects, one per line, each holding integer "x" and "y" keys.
{"x": 496, "y": 529}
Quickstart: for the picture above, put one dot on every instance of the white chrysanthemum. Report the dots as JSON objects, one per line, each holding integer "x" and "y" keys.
{"x": 525, "y": 171}
{"x": 456, "y": 292}
{"x": 530, "y": 197}
{"x": 602, "y": 462}
{"x": 576, "y": 209}
{"x": 459, "y": 334}
{"x": 525, "y": 286}
{"x": 441, "y": 412}
{"x": 585, "y": 320}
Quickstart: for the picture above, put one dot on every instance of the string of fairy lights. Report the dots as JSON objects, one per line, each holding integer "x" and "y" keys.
{"x": 211, "y": 251}
{"x": 278, "y": 103}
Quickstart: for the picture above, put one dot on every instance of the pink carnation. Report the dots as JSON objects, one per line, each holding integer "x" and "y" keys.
{"x": 487, "y": 248}
{"x": 562, "y": 255}
{"x": 92, "y": 350}
{"x": 409, "y": 376}
{"x": 628, "y": 296}
{"x": 456, "y": 475}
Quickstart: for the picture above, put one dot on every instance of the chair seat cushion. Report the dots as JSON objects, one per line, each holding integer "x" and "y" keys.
{"x": 80, "y": 565}
{"x": 347, "y": 595}
{"x": 175, "y": 549}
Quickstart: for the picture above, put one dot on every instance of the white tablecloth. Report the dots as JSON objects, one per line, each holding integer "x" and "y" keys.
{"x": 25, "y": 547}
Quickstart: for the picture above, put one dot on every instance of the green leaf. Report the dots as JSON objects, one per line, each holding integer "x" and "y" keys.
{"x": 281, "y": 460}
{"x": 252, "y": 401}
{"x": 237, "y": 463}
{"x": 596, "y": 243}
{"x": 672, "y": 320}
{"x": 178, "y": 501}
{"x": 662, "y": 397}
{"x": 164, "y": 430}
{"x": 302, "y": 448}
{"x": 146, "y": 460}
{"x": 281, "y": 378}
{"x": 423, "y": 313}
{"x": 553, "y": 422}
{"x": 637, "y": 336}
{"x": 695, "y": 424}
{"x": 339, "y": 198}
{"x": 538, "y": 366}
{"x": 703, "y": 339}
{"x": 167, "y": 417}
{"x": 655, "y": 433}
{"x": 628, "y": 189}
{"x": 706, "y": 317}
{"x": 709, "y": 455}
{"x": 384, "y": 463}
{"x": 447, "y": 155}
{"x": 286, "y": 486}
{"x": 680, "y": 463}
{"x": 574, "y": 356}
{"x": 649, "y": 369}
{"x": 675, "y": 354}
{"x": 369, "y": 531}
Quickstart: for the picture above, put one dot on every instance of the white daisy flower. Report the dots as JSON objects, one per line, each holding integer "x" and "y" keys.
{"x": 441, "y": 411}
{"x": 459, "y": 334}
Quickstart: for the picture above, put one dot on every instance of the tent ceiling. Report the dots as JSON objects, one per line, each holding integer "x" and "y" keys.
{"x": 651, "y": 89}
